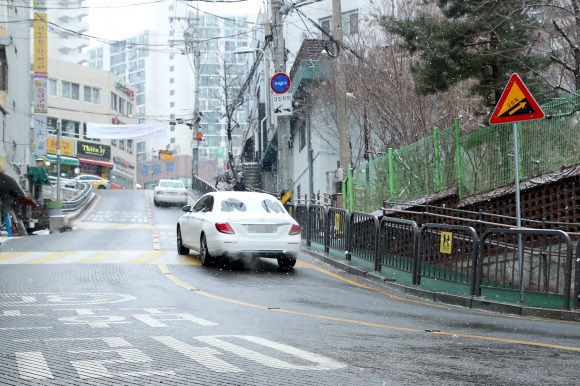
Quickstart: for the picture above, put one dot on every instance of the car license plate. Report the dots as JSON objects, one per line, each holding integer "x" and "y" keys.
{"x": 261, "y": 228}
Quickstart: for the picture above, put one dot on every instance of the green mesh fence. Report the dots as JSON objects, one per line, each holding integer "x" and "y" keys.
{"x": 487, "y": 158}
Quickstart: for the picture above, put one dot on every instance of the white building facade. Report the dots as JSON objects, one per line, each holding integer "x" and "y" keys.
{"x": 160, "y": 65}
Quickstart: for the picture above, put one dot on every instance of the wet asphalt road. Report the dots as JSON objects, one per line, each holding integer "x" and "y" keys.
{"x": 112, "y": 303}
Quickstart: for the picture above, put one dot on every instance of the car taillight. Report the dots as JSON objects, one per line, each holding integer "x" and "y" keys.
{"x": 224, "y": 227}
{"x": 160, "y": 192}
{"x": 183, "y": 193}
{"x": 294, "y": 230}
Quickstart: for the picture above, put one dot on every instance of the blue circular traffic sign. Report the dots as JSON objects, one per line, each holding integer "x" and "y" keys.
{"x": 280, "y": 83}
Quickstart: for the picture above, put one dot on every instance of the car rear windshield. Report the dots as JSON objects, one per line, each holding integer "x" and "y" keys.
{"x": 267, "y": 206}
{"x": 232, "y": 205}
{"x": 171, "y": 184}
{"x": 272, "y": 206}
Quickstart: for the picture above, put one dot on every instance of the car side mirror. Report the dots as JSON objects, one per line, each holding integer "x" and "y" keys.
{"x": 186, "y": 208}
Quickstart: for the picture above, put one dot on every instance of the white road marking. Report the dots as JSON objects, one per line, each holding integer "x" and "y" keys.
{"x": 32, "y": 365}
{"x": 205, "y": 356}
{"x": 97, "y": 368}
{"x": 62, "y": 299}
{"x": 154, "y": 320}
{"x": 321, "y": 363}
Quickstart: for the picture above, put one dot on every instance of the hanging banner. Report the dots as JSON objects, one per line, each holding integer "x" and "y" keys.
{"x": 40, "y": 131}
{"x": 40, "y": 59}
{"x": 142, "y": 131}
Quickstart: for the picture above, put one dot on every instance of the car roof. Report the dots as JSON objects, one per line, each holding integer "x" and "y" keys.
{"x": 245, "y": 195}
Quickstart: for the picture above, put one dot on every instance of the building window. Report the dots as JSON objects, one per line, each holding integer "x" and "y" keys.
{"x": 3, "y": 70}
{"x": 92, "y": 95}
{"x": 71, "y": 90}
{"x": 171, "y": 80}
{"x": 349, "y": 23}
{"x": 130, "y": 146}
{"x": 171, "y": 68}
{"x": 122, "y": 106}
{"x": 114, "y": 142}
{"x": 121, "y": 144}
{"x": 302, "y": 135}
{"x": 85, "y": 134}
{"x": 70, "y": 129}
{"x": 171, "y": 92}
{"x": 51, "y": 125}
{"x": 325, "y": 24}
{"x": 114, "y": 101}
{"x": 52, "y": 87}
{"x": 171, "y": 105}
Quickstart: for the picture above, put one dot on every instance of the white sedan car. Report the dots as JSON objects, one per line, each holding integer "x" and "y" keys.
{"x": 239, "y": 226}
{"x": 170, "y": 192}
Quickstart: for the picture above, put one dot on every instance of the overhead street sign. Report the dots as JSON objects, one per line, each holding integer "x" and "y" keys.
{"x": 516, "y": 104}
{"x": 282, "y": 105}
{"x": 280, "y": 83}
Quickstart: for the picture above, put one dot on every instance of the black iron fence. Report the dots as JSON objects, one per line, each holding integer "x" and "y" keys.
{"x": 450, "y": 256}
{"x": 201, "y": 186}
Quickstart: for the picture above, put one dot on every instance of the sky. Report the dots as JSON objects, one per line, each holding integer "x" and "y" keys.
{"x": 118, "y": 19}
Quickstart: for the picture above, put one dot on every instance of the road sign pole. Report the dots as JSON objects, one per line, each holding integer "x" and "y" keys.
{"x": 518, "y": 209}
{"x": 516, "y": 104}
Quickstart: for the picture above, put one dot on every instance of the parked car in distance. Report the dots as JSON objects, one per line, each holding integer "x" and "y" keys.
{"x": 239, "y": 226}
{"x": 170, "y": 192}
{"x": 96, "y": 181}
{"x": 64, "y": 182}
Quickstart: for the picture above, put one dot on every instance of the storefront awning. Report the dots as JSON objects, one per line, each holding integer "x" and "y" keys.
{"x": 96, "y": 162}
{"x": 38, "y": 175}
{"x": 64, "y": 160}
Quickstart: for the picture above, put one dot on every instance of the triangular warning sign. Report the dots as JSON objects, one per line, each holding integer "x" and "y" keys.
{"x": 516, "y": 104}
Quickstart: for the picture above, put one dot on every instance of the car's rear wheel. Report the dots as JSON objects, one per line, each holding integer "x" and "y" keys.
{"x": 102, "y": 187}
{"x": 204, "y": 255}
{"x": 181, "y": 250}
{"x": 155, "y": 203}
{"x": 286, "y": 263}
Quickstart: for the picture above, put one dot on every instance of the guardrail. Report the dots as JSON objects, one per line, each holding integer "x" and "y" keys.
{"x": 452, "y": 257}
{"x": 84, "y": 193}
{"x": 201, "y": 186}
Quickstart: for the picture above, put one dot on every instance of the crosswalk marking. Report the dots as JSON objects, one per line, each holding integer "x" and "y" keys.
{"x": 146, "y": 257}
{"x": 93, "y": 257}
{"x": 50, "y": 257}
{"x": 98, "y": 257}
{"x": 33, "y": 365}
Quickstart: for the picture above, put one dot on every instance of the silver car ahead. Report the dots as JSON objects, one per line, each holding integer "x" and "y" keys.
{"x": 170, "y": 192}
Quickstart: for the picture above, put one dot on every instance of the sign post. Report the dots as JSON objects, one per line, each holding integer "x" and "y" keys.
{"x": 516, "y": 105}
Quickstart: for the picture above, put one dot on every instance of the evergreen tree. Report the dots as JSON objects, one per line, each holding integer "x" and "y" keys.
{"x": 481, "y": 41}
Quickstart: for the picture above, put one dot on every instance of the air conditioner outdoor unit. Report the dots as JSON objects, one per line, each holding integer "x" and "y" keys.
{"x": 24, "y": 184}
{"x": 339, "y": 175}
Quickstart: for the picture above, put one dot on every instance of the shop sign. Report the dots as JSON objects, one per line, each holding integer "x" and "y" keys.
{"x": 125, "y": 89}
{"x": 123, "y": 162}
{"x": 66, "y": 146}
{"x": 94, "y": 149}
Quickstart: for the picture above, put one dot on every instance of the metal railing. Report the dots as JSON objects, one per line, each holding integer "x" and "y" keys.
{"x": 84, "y": 192}
{"x": 450, "y": 255}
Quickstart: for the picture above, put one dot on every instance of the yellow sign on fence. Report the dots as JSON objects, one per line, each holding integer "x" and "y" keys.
{"x": 446, "y": 241}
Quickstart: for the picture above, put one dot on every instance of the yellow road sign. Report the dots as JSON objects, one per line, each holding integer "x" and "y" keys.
{"x": 446, "y": 242}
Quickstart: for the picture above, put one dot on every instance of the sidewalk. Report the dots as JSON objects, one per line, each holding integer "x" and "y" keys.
{"x": 474, "y": 303}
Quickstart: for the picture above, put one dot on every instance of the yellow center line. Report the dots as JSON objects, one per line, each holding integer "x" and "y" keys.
{"x": 168, "y": 274}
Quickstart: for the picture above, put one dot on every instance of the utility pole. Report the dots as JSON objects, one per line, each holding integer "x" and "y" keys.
{"x": 196, "y": 117}
{"x": 341, "y": 106}
{"x": 283, "y": 122}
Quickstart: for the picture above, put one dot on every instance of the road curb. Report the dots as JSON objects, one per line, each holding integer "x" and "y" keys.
{"x": 444, "y": 298}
